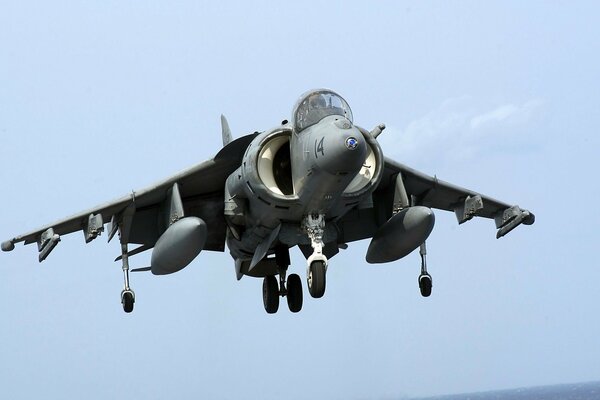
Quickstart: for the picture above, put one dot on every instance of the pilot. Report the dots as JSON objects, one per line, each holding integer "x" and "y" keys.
{"x": 317, "y": 102}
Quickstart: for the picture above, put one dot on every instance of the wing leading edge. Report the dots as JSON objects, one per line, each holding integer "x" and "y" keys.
{"x": 418, "y": 188}
{"x": 201, "y": 189}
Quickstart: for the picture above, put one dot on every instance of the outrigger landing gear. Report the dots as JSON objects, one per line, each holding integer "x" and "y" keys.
{"x": 425, "y": 281}
{"x": 272, "y": 290}
{"x": 127, "y": 295}
{"x": 314, "y": 226}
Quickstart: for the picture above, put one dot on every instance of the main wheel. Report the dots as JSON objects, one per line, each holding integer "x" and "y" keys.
{"x": 271, "y": 294}
{"x": 316, "y": 279}
{"x": 127, "y": 299}
{"x": 425, "y": 284}
{"x": 294, "y": 293}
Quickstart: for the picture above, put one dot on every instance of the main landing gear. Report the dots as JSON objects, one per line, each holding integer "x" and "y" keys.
{"x": 292, "y": 289}
{"x": 425, "y": 281}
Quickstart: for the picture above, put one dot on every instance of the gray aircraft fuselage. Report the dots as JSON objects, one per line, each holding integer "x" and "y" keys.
{"x": 316, "y": 182}
{"x": 316, "y": 167}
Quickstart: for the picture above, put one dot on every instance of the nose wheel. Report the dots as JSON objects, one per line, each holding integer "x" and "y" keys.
{"x": 316, "y": 279}
{"x": 314, "y": 226}
{"x": 425, "y": 281}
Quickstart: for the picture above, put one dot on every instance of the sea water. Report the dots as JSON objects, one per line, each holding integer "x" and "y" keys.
{"x": 576, "y": 391}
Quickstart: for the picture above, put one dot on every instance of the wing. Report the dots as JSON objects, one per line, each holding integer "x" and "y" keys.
{"x": 138, "y": 217}
{"x": 402, "y": 186}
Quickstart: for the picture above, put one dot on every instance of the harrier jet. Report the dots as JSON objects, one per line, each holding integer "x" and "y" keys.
{"x": 317, "y": 182}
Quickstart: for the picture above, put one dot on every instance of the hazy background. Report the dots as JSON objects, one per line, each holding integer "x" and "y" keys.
{"x": 99, "y": 98}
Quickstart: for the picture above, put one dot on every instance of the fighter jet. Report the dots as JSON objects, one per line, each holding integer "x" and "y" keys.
{"x": 317, "y": 182}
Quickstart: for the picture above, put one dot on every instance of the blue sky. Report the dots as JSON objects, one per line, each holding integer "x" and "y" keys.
{"x": 99, "y": 98}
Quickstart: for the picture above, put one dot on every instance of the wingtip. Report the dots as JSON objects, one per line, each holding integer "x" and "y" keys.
{"x": 530, "y": 219}
{"x": 8, "y": 245}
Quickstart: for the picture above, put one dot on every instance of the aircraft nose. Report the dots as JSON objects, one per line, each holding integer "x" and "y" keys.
{"x": 342, "y": 151}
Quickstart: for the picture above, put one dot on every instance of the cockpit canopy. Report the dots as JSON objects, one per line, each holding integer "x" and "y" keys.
{"x": 315, "y": 105}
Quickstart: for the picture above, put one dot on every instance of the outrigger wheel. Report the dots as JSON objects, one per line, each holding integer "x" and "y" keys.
{"x": 425, "y": 284}
{"x": 127, "y": 299}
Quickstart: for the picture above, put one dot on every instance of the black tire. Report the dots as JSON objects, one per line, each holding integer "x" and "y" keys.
{"x": 316, "y": 279}
{"x": 127, "y": 300}
{"x": 425, "y": 285}
{"x": 271, "y": 294}
{"x": 294, "y": 293}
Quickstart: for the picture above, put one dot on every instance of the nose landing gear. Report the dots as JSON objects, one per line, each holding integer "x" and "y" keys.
{"x": 314, "y": 226}
{"x": 316, "y": 279}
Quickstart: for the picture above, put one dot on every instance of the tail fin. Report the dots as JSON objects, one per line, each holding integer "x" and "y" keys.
{"x": 225, "y": 131}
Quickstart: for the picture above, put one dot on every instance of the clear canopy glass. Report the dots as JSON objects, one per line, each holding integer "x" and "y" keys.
{"x": 318, "y": 104}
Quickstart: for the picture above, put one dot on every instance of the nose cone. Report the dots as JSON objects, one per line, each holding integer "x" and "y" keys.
{"x": 340, "y": 150}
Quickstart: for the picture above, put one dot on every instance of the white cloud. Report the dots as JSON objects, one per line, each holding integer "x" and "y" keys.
{"x": 506, "y": 113}
{"x": 460, "y": 126}
{"x": 498, "y": 115}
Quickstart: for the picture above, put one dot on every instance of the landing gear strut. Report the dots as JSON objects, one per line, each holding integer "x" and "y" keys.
{"x": 292, "y": 289}
{"x": 314, "y": 226}
{"x": 425, "y": 281}
{"x": 127, "y": 295}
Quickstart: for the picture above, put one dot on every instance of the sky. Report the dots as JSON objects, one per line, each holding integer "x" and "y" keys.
{"x": 100, "y": 98}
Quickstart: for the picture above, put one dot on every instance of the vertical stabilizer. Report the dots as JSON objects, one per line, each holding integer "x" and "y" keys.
{"x": 225, "y": 131}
